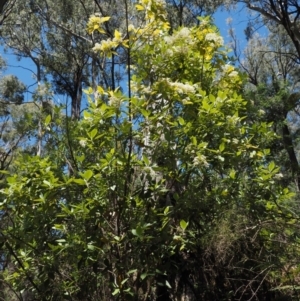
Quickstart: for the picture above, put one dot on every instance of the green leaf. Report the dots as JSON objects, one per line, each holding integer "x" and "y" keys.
{"x": 79, "y": 181}
{"x": 48, "y": 120}
{"x": 128, "y": 291}
{"x": 47, "y": 183}
{"x": 93, "y": 133}
{"x": 211, "y": 98}
{"x": 88, "y": 91}
{"x": 194, "y": 140}
{"x": 11, "y": 180}
{"x": 146, "y": 160}
{"x": 137, "y": 232}
{"x": 222, "y": 146}
{"x": 271, "y": 166}
{"x": 124, "y": 281}
{"x": 131, "y": 271}
{"x": 86, "y": 115}
{"x": 167, "y": 209}
{"x": 168, "y": 284}
{"x": 80, "y": 158}
{"x": 61, "y": 240}
{"x": 181, "y": 121}
{"x": 91, "y": 247}
{"x": 116, "y": 291}
{"x": 87, "y": 174}
{"x": 145, "y": 113}
{"x": 113, "y": 187}
{"x": 205, "y": 105}
{"x": 183, "y": 224}
{"x": 58, "y": 227}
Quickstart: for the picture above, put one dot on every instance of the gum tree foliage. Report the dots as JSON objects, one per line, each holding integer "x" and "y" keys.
{"x": 30, "y": 32}
{"x": 279, "y": 12}
{"x": 172, "y": 194}
{"x": 5, "y": 8}
{"x": 17, "y": 126}
{"x": 272, "y": 67}
{"x": 277, "y": 61}
{"x": 273, "y": 73}
{"x": 14, "y": 129}
{"x": 2, "y": 3}
{"x": 186, "y": 12}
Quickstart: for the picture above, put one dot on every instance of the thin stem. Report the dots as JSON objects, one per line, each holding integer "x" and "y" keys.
{"x": 129, "y": 103}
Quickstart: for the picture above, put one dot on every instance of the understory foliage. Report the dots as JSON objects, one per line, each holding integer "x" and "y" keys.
{"x": 173, "y": 194}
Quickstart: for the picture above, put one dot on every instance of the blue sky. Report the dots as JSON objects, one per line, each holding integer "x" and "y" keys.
{"x": 239, "y": 20}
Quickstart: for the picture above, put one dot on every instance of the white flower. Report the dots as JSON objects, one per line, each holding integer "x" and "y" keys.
{"x": 227, "y": 68}
{"x": 169, "y": 39}
{"x": 200, "y": 161}
{"x": 131, "y": 27}
{"x": 183, "y": 33}
{"x": 214, "y": 38}
{"x": 147, "y": 89}
{"x": 115, "y": 101}
{"x": 106, "y": 46}
{"x": 233, "y": 120}
{"x": 82, "y": 143}
{"x": 278, "y": 176}
{"x": 169, "y": 52}
{"x": 97, "y": 47}
{"x": 233, "y": 74}
{"x": 183, "y": 88}
{"x": 252, "y": 154}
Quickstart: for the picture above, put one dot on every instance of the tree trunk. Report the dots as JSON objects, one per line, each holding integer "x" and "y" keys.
{"x": 288, "y": 144}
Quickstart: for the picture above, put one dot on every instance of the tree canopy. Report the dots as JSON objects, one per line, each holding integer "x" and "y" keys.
{"x": 180, "y": 178}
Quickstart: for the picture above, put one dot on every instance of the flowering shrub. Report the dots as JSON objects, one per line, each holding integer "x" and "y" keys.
{"x": 161, "y": 172}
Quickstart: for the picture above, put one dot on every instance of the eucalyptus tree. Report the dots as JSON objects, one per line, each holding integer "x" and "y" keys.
{"x": 5, "y": 8}
{"x": 186, "y": 12}
{"x": 277, "y": 12}
{"x": 273, "y": 74}
{"x": 29, "y": 35}
{"x": 13, "y": 127}
{"x": 54, "y": 36}
{"x": 2, "y": 4}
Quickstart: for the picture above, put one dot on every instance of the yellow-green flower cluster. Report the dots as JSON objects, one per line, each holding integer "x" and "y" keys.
{"x": 95, "y": 23}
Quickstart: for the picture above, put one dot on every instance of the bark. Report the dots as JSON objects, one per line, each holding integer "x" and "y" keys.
{"x": 2, "y": 3}
{"x": 77, "y": 95}
{"x": 288, "y": 144}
